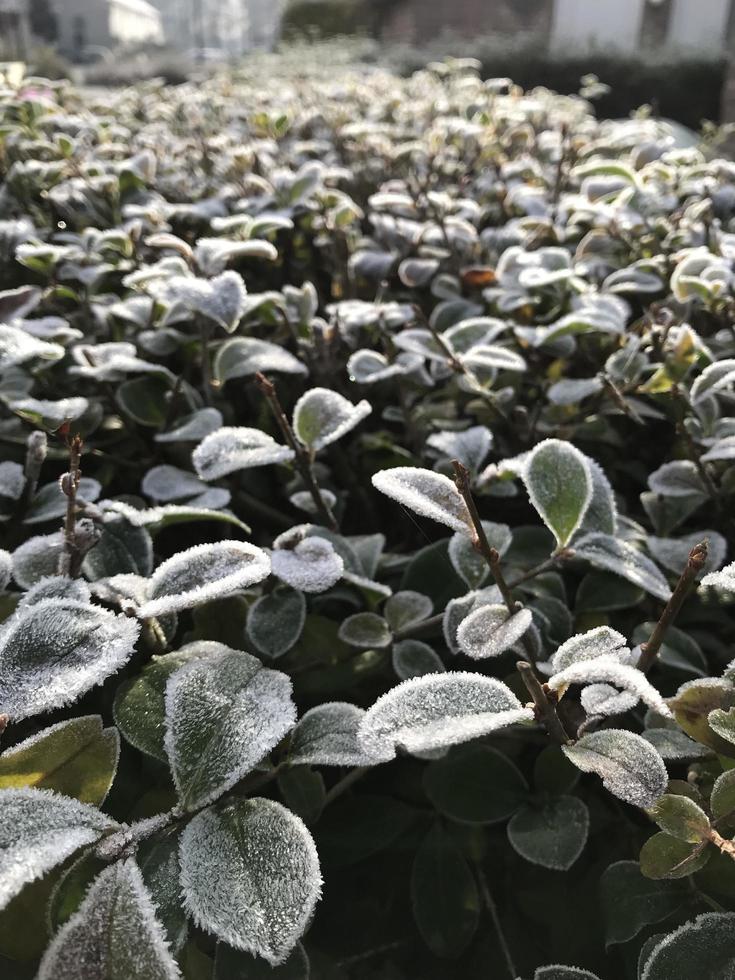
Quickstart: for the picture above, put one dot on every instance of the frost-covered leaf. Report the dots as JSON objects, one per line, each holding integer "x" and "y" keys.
{"x": 675, "y": 745}
{"x": 613, "y": 555}
{"x": 558, "y": 972}
{"x": 602, "y": 513}
{"x": 243, "y": 356}
{"x": 438, "y": 710}
{"x": 50, "y": 415}
{"x": 609, "y": 670}
{"x": 630, "y": 767}
{"x": 166, "y": 483}
{"x": 702, "y": 947}
{"x": 630, "y": 901}
{"x": 275, "y": 621}
{"x": 303, "y": 500}
{"x": 77, "y": 757}
{"x": 6, "y": 568}
{"x": 140, "y": 702}
{"x": 369, "y": 366}
{"x": 113, "y": 934}
{"x": 194, "y": 427}
{"x": 406, "y": 608}
{"x": 490, "y": 631}
{"x": 552, "y": 834}
{"x": 40, "y": 829}
{"x": 309, "y": 564}
{"x": 224, "y": 714}
{"x": 559, "y": 482}
{"x": 469, "y": 446}
{"x": 426, "y": 493}
{"x": 571, "y": 391}
{"x": 125, "y": 547}
{"x": 37, "y": 558}
{"x": 158, "y": 860}
{"x": 54, "y": 651}
{"x": 327, "y": 736}
{"x": 322, "y": 416}
{"x": 678, "y": 478}
{"x": 680, "y": 817}
{"x": 250, "y": 874}
{"x": 221, "y": 299}
{"x": 230, "y": 449}
{"x": 203, "y": 573}
{"x": 12, "y": 479}
{"x": 467, "y": 562}
{"x": 412, "y": 658}
{"x": 366, "y": 630}
{"x": 18, "y": 346}
{"x": 598, "y": 642}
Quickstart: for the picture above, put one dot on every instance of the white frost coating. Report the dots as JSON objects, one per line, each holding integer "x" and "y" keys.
{"x": 224, "y": 714}
{"x": 54, "y": 651}
{"x": 38, "y": 830}
{"x": 705, "y": 940}
{"x": 56, "y": 587}
{"x": 6, "y": 568}
{"x": 675, "y": 745}
{"x": 558, "y": 479}
{"x": 197, "y": 426}
{"x": 312, "y": 565}
{"x": 571, "y": 391}
{"x": 165, "y": 483}
{"x": 37, "y": 558}
{"x": 426, "y": 493}
{"x": 50, "y": 502}
{"x": 17, "y": 347}
{"x": 303, "y": 500}
{"x": 235, "y": 448}
{"x": 552, "y": 835}
{"x": 467, "y": 562}
{"x": 244, "y": 356}
{"x": 470, "y": 447}
{"x": 612, "y": 555}
{"x": 368, "y": 367}
{"x": 724, "y": 579}
{"x": 630, "y": 767}
{"x": 602, "y": 513}
{"x": 12, "y": 479}
{"x": 407, "y": 608}
{"x": 673, "y": 553}
{"x": 609, "y": 671}
{"x": 489, "y": 631}
{"x": 716, "y": 376}
{"x": 327, "y": 736}
{"x": 322, "y": 416}
{"x": 250, "y": 875}
{"x": 438, "y": 710}
{"x": 494, "y": 357}
{"x": 678, "y": 478}
{"x": 203, "y": 573}
{"x": 458, "y": 609}
{"x": 605, "y": 701}
{"x": 602, "y": 641}
{"x": 113, "y": 933}
{"x": 171, "y": 513}
{"x": 222, "y": 299}
{"x": 55, "y": 412}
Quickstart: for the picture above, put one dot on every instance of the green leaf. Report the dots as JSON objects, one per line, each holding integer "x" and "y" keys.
{"x": 614, "y": 555}
{"x": 365, "y": 630}
{"x": 357, "y": 827}
{"x": 412, "y": 658}
{"x": 321, "y": 416}
{"x": 158, "y": 859}
{"x": 275, "y": 621}
{"x": 722, "y": 801}
{"x": 133, "y": 947}
{"x": 664, "y": 856}
{"x": 145, "y": 400}
{"x": 630, "y": 901}
{"x": 139, "y": 707}
{"x": 701, "y": 948}
{"x": 695, "y": 701}
{"x": 681, "y": 818}
{"x": 605, "y": 592}
{"x": 250, "y": 875}
{"x": 475, "y": 784}
{"x": 224, "y": 714}
{"x": 552, "y": 834}
{"x": 123, "y": 548}
{"x": 446, "y": 904}
{"x": 559, "y": 483}
{"x": 303, "y": 791}
{"x": 72, "y": 885}
{"x": 553, "y": 772}
{"x": 723, "y": 723}
{"x": 77, "y": 758}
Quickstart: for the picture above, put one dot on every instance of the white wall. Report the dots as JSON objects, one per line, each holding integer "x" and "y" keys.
{"x": 585, "y": 24}
{"x": 700, "y": 24}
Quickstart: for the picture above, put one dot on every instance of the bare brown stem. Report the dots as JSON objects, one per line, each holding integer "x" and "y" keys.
{"x": 694, "y": 565}
{"x": 71, "y": 558}
{"x": 544, "y": 703}
{"x": 302, "y": 460}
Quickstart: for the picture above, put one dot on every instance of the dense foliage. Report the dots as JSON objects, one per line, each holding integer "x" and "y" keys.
{"x": 367, "y": 490}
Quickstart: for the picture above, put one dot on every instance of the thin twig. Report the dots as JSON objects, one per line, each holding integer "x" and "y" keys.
{"x": 492, "y": 908}
{"x": 544, "y": 706}
{"x": 70, "y": 561}
{"x": 545, "y": 566}
{"x": 344, "y": 784}
{"x": 204, "y": 334}
{"x": 479, "y": 540}
{"x": 302, "y": 459}
{"x": 695, "y": 564}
